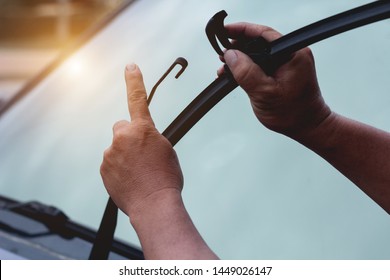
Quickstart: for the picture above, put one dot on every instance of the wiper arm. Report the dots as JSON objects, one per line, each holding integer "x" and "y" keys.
{"x": 57, "y": 222}
{"x": 199, "y": 107}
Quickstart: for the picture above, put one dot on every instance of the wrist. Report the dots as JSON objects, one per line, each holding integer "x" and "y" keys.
{"x": 322, "y": 136}
{"x": 154, "y": 205}
{"x": 311, "y": 120}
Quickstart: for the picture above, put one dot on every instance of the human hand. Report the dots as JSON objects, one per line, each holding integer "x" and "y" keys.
{"x": 289, "y": 101}
{"x": 140, "y": 164}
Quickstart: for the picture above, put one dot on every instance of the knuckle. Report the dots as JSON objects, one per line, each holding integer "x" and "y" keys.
{"x": 141, "y": 129}
{"x": 138, "y": 129}
{"x": 142, "y": 124}
{"x": 120, "y": 136}
{"x": 306, "y": 56}
{"x": 105, "y": 162}
{"x": 103, "y": 169}
{"x": 137, "y": 95}
{"x": 307, "y": 51}
{"x": 106, "y": 155}
{"x": 120, "y": 124}
{"x": 121, "y": 130}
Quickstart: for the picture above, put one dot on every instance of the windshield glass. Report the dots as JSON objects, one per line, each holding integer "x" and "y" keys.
{"x": 253, "y": 194}
{"x": 34, "y": 32}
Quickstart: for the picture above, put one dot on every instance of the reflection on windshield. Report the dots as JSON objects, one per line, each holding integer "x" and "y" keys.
{"x": 252, "y": 193}
{"x": 75, "y": 67}
{"x": 34, "y": 33}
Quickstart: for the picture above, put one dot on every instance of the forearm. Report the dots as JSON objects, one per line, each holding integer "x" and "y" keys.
{"x": 359, "y": 151}
{"x": 166, "y": 231}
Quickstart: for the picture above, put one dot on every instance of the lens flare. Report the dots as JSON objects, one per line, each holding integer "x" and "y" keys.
{"x": 75, "y": 67}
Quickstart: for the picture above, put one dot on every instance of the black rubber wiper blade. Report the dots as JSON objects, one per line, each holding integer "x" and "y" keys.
{"x": 331, "y": 26}
{"x": 269, "y": 56}
{"x": 203, "y": 103}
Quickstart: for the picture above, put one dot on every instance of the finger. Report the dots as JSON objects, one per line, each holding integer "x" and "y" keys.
{"x": 220, "y": 70}
{"x": 120, "y": 125}
{"x": 136, "y": 94}
{"x": 221, "y": 58}
{"x": 251, "y": 30}
{"x": 247, "y": 74}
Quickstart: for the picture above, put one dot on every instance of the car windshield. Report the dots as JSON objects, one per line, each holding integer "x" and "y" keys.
{"x": 34, "y": 32}
{"x": 253, "y": 194}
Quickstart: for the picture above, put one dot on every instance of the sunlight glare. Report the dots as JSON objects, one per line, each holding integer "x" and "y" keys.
{"x": 75, "y": 67}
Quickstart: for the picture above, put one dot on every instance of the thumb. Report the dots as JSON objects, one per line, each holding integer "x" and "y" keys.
{"x": 246, "y": 73}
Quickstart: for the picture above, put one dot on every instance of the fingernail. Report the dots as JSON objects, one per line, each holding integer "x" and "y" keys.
{"x": 130, "y": 67}
{"x": 230, "y": 58}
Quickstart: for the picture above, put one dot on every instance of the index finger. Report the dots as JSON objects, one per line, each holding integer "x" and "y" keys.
{"x": 136, "y": 94}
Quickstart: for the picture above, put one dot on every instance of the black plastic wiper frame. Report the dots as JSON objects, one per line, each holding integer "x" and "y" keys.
{"x": 268, "y": 55}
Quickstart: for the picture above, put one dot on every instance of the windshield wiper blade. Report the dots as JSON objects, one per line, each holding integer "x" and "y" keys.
{"x": 206, "y": 100}
{"x": 269, "y": 56}
{"x": 57, "y": 222}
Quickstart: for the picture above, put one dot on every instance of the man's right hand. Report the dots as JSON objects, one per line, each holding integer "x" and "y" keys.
{"x": 289, "y": 101}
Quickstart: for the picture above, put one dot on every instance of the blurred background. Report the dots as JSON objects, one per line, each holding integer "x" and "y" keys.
{"x": 33, "y": 32}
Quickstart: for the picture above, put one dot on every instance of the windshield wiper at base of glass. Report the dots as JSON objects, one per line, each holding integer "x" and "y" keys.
{"x": 33, "y": 221}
